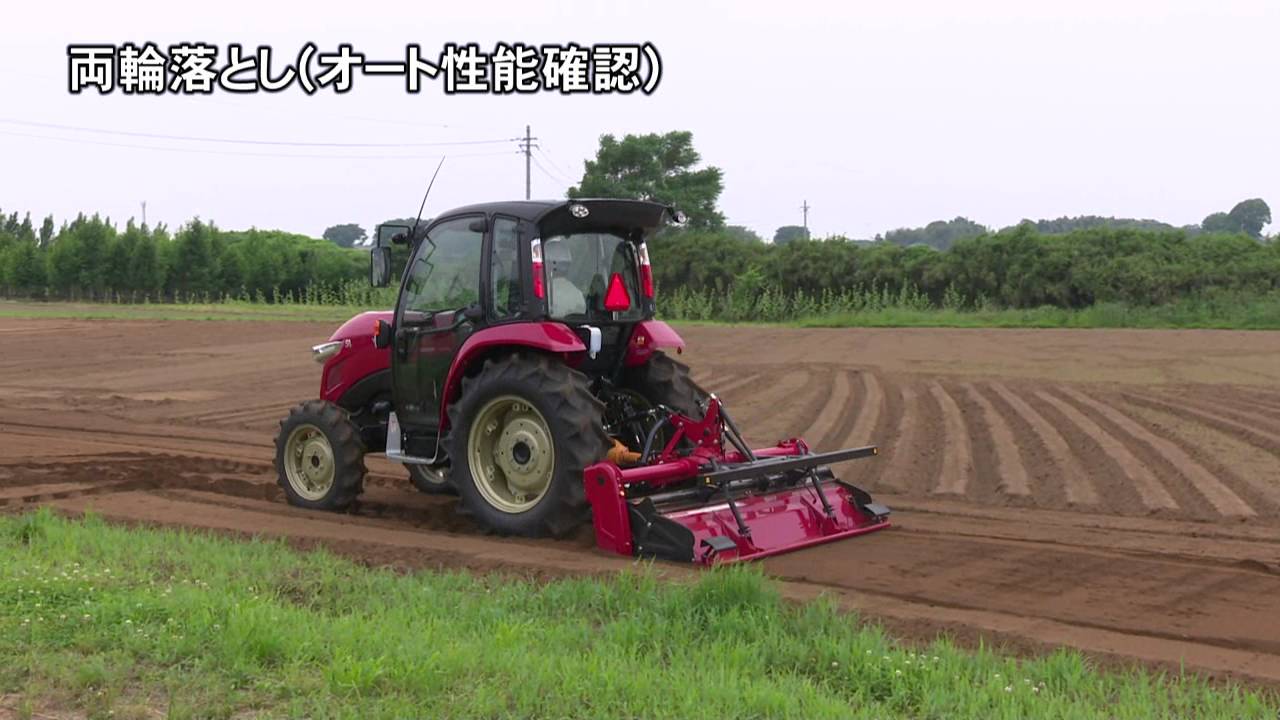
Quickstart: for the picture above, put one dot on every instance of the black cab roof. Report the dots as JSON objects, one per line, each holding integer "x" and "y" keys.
{"x": 559, "y": 216}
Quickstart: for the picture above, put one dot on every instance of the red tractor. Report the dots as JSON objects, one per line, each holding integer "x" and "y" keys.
{"x": 523, "y": 369}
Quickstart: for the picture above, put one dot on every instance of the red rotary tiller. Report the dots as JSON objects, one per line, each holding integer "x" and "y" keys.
{"x": 743, "y": 503}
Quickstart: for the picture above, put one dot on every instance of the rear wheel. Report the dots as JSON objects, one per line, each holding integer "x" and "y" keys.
{"x": 319, "y": 457}
{"x": 663, "y": 381}
{"x": 521, "y": 434}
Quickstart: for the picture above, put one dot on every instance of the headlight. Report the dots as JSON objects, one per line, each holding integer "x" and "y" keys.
{"x": 324, "y": 351}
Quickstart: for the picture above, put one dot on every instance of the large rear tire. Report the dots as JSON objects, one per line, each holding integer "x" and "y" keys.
{"x": 520, "y": 436}
{"x": 663, "y": 381}
{"x": 319, "y": 457}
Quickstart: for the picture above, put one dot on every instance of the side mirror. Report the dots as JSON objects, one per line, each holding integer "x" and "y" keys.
{"x": 473, "y": 312}
{"x": 478, "y": 225}
{"x": 380, "y": 266}
{"x": 382, "y": 334}
{"x": 388, "y": 235}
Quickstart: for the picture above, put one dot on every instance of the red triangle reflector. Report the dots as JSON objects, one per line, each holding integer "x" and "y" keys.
{"x": 616, "y": 297}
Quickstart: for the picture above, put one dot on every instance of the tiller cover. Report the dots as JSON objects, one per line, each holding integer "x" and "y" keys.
{"x": 698, "y": 501}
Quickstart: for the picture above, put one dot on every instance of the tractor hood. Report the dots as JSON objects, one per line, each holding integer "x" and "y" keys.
{"x": 362, "y": 325}
{"x": 357, "y": 358}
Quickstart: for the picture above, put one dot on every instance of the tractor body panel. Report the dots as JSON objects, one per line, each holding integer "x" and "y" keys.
{"x": 357, "y": 360}
{"x": 650, "y": 335}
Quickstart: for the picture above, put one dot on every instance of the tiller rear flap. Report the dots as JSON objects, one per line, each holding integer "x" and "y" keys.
{"x": 698, "y": 501}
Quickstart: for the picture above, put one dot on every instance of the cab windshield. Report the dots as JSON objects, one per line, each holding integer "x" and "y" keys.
{"x": 579, "y": 268}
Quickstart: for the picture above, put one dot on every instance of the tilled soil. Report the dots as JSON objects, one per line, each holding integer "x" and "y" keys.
{"x": 1116, "y": 491}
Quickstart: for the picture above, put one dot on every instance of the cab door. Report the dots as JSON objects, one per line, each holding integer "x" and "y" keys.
{"x": 438, "y": 306}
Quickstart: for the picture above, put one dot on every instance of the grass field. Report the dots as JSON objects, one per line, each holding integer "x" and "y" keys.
{"x": 1254, "y": 314}
{"x": 1251, "y": 313}
{"x": 115, "y": 622}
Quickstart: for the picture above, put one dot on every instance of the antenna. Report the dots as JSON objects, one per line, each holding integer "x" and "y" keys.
{"x": 414, "y": 230}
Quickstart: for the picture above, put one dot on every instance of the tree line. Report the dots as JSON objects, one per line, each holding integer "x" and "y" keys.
{"x": 91, "y": 258}
{"x": 1020, "y": 267}
{"x": 1247, "y": 217}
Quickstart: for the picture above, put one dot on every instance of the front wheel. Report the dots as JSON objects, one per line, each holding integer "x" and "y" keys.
{"x": 319, "y": 457}
{"x": 431, "y": 479}
{"x": 521, "y": 434}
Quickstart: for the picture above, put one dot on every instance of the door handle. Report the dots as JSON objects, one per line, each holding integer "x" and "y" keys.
{"x": 403, "y": 337}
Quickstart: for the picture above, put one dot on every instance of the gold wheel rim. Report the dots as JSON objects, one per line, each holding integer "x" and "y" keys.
{"x": 308, "y": 462}
{"x": 511, "y": 454}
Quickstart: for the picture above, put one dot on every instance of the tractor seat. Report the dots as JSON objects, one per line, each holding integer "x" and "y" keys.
{"x": 566, "y": 298}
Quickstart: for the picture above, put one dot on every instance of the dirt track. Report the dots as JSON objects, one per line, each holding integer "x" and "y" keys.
{"x": 1118, "y": 491}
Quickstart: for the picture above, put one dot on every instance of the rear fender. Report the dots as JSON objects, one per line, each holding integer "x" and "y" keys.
{"x": 650, "y": 335}
{"x": 548, "y": 337}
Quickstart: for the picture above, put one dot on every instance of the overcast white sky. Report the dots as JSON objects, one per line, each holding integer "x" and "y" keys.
{"x": 879, "y": 114}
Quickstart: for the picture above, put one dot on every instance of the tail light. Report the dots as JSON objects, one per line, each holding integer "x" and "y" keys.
{"x": 539, "y": 284}
{"x": 616, "y": 297}
{"x": 646, "y": 271}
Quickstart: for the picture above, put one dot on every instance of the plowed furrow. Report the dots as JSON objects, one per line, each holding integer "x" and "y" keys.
{"x": 838, "y": 402}
{"x": 1251, "y": 433}
{"x": 1012, "y": 474}
{"x": 864, "y": 431}
{"x": 888, "y": 438}
{"x": 220, "y": 416}
{"x": 725, "y": 388}
{"x": 766, "y": 411}
{"x": 1213, "y": 490}
{"x": 957, "y": 451}
{"x": 1264, "y": 425}
{"x": 1269, "y": 411}
{"x": 1272, "y": 399}
{"x": 1071, "y": 474}
{"x": 1249, "y": 469}
{"x": 898, "y": 460}
{"x": 918, "y": 455}
{"x": 1152, "y": 492}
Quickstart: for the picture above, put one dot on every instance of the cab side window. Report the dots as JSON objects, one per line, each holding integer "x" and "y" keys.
{"x": 446, "y": 268}
{"x": 504, "y": 270}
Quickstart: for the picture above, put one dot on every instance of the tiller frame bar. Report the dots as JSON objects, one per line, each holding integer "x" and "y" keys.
{"x": 697, "y": 501}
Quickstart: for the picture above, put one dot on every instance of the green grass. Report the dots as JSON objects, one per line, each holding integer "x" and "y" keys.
{"x": 1246, "y": 315}
{"x": 116, "y": 622}
{"x": 908, "y": 308}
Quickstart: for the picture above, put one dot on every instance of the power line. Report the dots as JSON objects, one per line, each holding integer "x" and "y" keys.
{"x": 239, "y": 141}
{"x": 556, "y": 166}
{"x": 550, "y": 177}
{"x": 244, "y": 153}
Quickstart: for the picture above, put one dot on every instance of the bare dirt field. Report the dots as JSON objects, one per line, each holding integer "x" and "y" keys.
{"x": 1116, "y": 491}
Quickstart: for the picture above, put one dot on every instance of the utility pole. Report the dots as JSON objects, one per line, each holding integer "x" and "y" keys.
{"x": 805, "y": 208}
{"x": 144, "y": 212}
{"x": 527, "y": 146}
